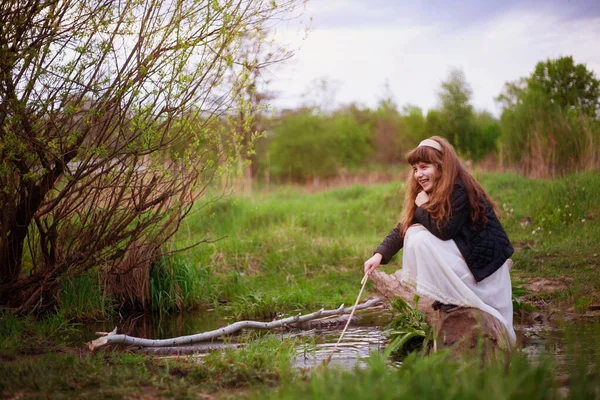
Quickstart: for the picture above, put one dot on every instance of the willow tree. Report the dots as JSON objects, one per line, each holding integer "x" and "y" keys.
{"x": 115, "y": 115}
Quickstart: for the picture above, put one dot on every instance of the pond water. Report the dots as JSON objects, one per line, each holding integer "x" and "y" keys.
{"x": 361, "y": 338}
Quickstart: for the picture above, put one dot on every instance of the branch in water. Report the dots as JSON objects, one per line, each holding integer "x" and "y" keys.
{"x": 113, "y": 338}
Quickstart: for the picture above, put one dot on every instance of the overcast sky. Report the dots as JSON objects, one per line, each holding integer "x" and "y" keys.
{"x": 359, "y": 45}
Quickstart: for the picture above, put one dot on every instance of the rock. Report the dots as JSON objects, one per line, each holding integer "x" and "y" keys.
{"x": 459, "y": 329}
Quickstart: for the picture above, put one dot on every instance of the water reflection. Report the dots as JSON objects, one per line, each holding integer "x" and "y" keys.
{"x": 358, "y": 342}
{"x": 362, "y": 338}
{"x": 160, "y": 326}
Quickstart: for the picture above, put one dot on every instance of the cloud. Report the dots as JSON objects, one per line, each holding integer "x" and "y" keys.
{"x": 414, "y": 50}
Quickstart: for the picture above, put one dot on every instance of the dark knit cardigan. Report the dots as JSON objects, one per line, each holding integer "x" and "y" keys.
{"x": 484, "y": 248}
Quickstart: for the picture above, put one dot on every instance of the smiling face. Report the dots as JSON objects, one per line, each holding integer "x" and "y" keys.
{"x": 426, "y": 175}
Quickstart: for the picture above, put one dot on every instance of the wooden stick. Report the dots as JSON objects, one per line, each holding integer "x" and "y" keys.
{"x": 364, "y": 282}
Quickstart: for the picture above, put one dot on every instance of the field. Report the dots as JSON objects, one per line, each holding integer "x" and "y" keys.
{"x": 283, "y": 251}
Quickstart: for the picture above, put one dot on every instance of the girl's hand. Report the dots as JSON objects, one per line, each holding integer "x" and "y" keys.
{"x": 422, "y": 198}
{"x": 372, "y": 263}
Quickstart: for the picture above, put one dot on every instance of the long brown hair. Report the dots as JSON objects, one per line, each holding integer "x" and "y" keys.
{"x": 450, "y": 169}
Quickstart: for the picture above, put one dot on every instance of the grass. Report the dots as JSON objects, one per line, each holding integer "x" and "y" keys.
{"x": 285, "y": 249}
{"x": 408, "y": 330}
{"x": 264, "y": 370}
{"x": 176, "y": 285}
{"x": 555, "y": 227}
{"x": 19, "y": 335}
{"x": 82, "y": 297}
{"x": 436, "y": 377}
{"x": 59, "y": 372}
{"x": 444, "y": 376}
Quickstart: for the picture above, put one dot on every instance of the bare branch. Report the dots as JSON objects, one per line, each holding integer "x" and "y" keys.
{"x": 114, "y": 338}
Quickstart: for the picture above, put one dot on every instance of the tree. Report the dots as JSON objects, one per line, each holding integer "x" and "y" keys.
{"x": 257, "y": 55}
{"x": 387, "y": 125}
{"x": 302, "y": 147}
{"x": 472, "y": 134}
{"x": 97, "y": 99}
{"x": 567, "y": 85}
{"x": 414, "y": 121}
{"x": 549, "y": 121}
{"x": 457, "y": 112}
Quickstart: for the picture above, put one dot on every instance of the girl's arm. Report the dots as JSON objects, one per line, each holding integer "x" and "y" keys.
{"x": 390, "y": 245}
{"x": 460, "y": 215}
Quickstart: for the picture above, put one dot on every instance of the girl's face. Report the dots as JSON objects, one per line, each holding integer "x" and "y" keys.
{"x": 426, "y": 175}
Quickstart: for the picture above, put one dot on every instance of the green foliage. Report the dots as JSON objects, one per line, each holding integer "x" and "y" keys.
{"x": 266, "y": 360}
{"x": 27, "y": 335}
{"x": 518, "y": 293}
{"x": 177, "y": 284}
{"x": 488, "y": 132}
{"x": 549, "y": 123}
{"x": 352, "y": 144}
{"x": 473, "y": 134}
{"x": 307, "y": 144}
{"x": 415, "y": 124}
{"x": 438, "y": 376}
{"x": 567, "y": 85}
{"x": 409, "y": 331}
{"x": 301, "y": 148}
{"x": 82, "y": 297}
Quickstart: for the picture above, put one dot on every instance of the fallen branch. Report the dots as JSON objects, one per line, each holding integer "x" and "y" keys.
{"x": 114, "y": 338}
{"x": 198, "y": 349}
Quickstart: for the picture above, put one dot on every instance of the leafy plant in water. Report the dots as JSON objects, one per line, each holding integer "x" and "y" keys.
{"x": 409, "y": 330}
{"x": 519, "y": 305}
{"x": 255, "y": 306}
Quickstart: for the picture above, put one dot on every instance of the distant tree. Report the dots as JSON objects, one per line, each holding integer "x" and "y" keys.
{"x": 488, "y": 133}
{"x": 309, "y": 144}
{"x": 301, "y": 147}
{"x": 414, "y": 122}
{"x": 352, "y": 144}
{"x": 549, "y": 121}
{"x": 456, "y": 110}
{"x": 567, "y": 85}
{"x": 387, "y": 128}
{"x": 96, "y": 100}
{"x": 434, "y": 124}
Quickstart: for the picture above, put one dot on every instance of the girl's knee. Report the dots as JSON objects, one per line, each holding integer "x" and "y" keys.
{"x": 417, "y": 235}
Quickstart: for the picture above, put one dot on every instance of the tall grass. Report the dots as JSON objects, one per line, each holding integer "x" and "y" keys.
{"x": 177, "y": 284}
{"x": 570, "y": 373}
{"x": 82, "y": 297}
{"x": 291, "y": 250}
{"x": 438, "y": 376}
{"x": 284, "y": 249}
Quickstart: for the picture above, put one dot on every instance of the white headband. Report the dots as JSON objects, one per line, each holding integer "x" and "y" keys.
{"x": 431, "y": 143}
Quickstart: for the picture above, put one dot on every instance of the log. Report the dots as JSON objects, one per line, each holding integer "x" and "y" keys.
{"x": 204, "y": 348}
{"x": 108, "y": 338}
{"x": 459, "y": 329}
{"x": 185, "y": 350}
{"x": 325, "y": 323}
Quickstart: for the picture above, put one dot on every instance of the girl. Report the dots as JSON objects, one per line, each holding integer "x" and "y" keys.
{"x": 455, "y": 249}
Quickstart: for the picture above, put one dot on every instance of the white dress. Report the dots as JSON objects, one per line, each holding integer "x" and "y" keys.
{"x": 436, "y": 269}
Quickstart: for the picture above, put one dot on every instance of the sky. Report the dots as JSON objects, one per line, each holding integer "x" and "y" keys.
{"x": 367, "y": 50}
